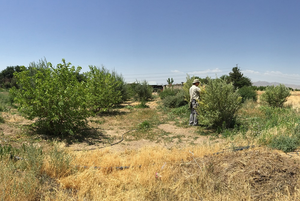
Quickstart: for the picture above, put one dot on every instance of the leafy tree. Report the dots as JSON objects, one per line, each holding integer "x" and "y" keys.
{"x": 238, "y": 79}
{"x": 7, "y": 76}
{"x": 226, "y": 78}
{"x": 276, "y": 96}
{"x": 218, "y": 104}
{"x": 170, "y": 81}
{"x": 104, "y": 89}
{"x": 54, "y": 96}
{"x": 122, "y": 87}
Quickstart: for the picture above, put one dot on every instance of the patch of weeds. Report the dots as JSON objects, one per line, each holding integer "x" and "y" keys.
{"x": 212, "y": 138}
{"x": 145, "y": 125}
{"x": 195, "y": 138}
{"x": 2, "y": 119}
{"x": 59, "y": 163}
{"x": 164, "y": 133}
{"x": 285, "y": 143}
{"x": 205, "y": 132}
{"x": 168, "y": 139}
{"x": 129, "y": 107}
{"x": 141, "y": 105}
{"x": 98, "y": 121}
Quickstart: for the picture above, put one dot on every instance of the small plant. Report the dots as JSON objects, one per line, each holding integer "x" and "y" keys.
{"x": 142, "y": 105}
{"x": 276, "y": 96}
{"x": 285, "y": 143}
{"x": 145, "y": 125}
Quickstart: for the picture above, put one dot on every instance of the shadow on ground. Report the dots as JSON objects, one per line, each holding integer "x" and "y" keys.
{"x": 90, "y": 136}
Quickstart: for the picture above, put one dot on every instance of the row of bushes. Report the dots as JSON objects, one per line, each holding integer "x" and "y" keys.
{"x": 62, "y": 102}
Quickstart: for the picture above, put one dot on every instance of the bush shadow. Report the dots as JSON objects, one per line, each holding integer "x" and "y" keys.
{"x": 88, "y": 135}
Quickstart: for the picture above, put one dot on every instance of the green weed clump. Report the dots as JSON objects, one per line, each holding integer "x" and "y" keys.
{"x": 145, "y": 125}
{"x": 285, "y": 143}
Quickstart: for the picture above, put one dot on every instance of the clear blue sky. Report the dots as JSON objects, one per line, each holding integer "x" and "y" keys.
{"x": 156, "y": 39}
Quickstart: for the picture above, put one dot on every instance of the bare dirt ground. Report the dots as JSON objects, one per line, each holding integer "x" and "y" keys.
{"x": 114, "y": 128}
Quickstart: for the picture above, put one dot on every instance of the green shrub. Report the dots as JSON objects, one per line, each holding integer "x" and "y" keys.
{"x": 140, "y": 91}
{"x": 285, "y": 143}
{"x": 168, "y": 92}
{"x": 54, "y": 96}
{"x": 219, "y": 104}
{"x": 247, "y": 93}
{"x": 104, "y": 89}
{"x": 175, "y": 101}
{"x": 276, "y": 96}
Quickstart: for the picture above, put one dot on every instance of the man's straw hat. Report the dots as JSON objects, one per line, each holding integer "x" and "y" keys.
{"x": 195, "y": 81}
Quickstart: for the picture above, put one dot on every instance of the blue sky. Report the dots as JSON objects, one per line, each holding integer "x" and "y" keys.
{"x": 156, "y": 39}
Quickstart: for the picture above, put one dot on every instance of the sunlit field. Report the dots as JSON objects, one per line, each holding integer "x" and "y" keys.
{"x": 222, "y": 166}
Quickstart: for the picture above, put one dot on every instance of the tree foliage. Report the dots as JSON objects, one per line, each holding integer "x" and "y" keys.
{"x": 7, "y": 79}
{"x": 276, "y": 96}
{"x": 238, "y": 79}
{"x": 54, "y": 96}
{"x": 104, "y": 88}
{"x": 218, "y": 104}
{"x": 170, "y": 81}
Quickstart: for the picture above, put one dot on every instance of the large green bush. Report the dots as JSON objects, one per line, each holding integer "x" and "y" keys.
{"x": 174, "y": 101}
{"x": 247, "y": 93}
{"x": 219, "y": 104}
{"x": 275, "y": 96}
{"x": 55, "y": 97}
{"x": 168, "y": 92}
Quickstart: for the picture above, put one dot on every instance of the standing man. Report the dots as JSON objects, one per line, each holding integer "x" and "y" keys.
{"x": 194, "y": 96}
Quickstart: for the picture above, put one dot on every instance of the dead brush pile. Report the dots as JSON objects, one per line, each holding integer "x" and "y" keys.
{"x": 247, "y": 175}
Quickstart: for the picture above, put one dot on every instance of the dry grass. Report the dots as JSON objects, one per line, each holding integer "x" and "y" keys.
{"x": 190, "y": 173}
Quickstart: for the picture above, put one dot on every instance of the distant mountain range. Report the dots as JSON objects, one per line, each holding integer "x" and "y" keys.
{"x": 264, "y": 84}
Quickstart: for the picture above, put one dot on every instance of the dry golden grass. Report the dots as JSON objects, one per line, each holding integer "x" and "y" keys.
{"x": 190, "y": 173}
